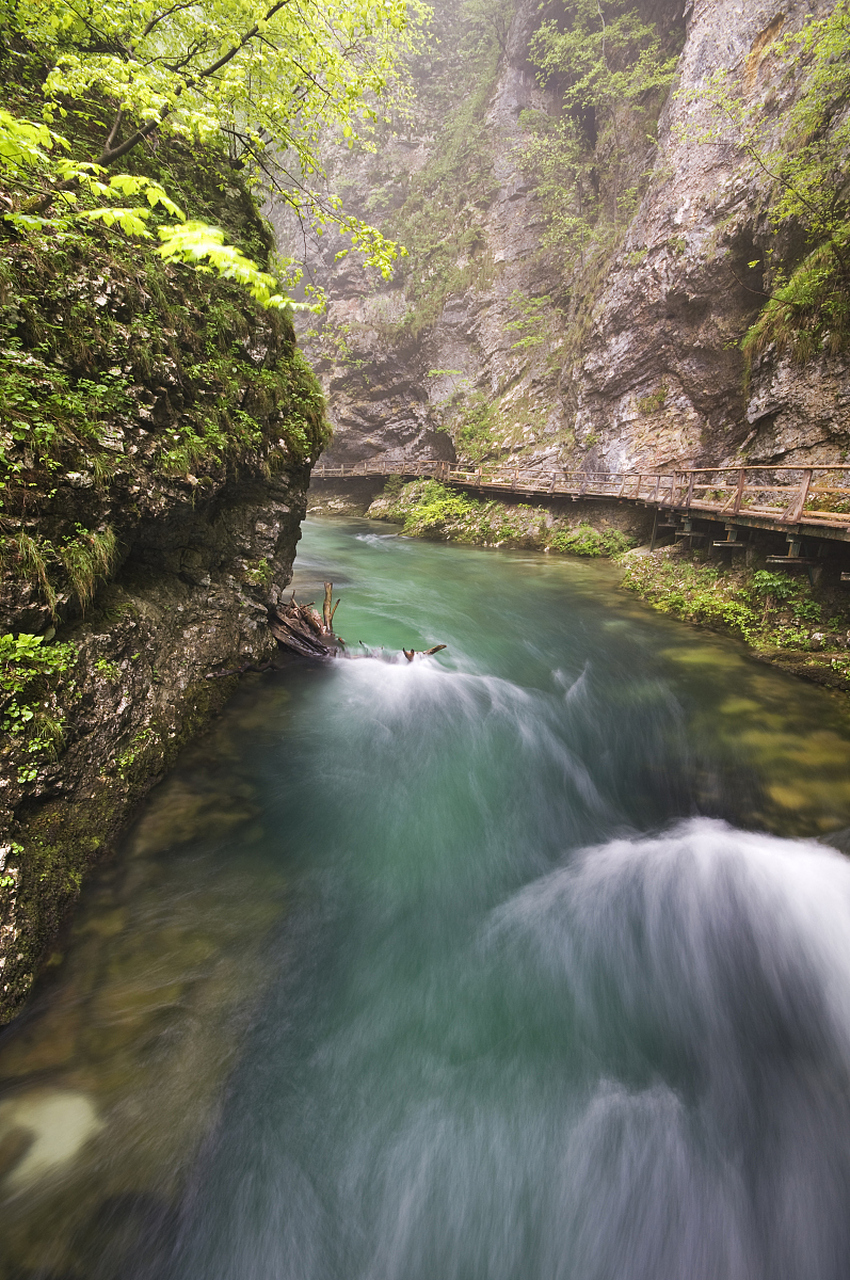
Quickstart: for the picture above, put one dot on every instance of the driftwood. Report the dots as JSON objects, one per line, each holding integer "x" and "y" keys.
{"x": 298, "y": 628}
{"x": 410, "y": 654}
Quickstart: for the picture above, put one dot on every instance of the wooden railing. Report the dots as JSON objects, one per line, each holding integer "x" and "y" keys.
{"x": 786, "y": 495}
{"x": 416, "y": 467}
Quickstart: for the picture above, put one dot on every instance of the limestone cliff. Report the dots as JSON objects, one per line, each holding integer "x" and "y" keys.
{"x": 633, "y": 365}
{"x": 673, "y": 320}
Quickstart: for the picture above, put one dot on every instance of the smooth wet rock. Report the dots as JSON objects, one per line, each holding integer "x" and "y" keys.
{"x": 59, "y": 1123}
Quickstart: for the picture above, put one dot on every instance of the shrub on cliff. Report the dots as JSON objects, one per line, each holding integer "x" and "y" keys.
{"x": 611, "y": 70}
{"x": 262, "y": 76}
{"x": 803, "y": 154}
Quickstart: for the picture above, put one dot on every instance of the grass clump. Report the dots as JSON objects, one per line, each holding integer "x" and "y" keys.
{"x": 31, "y": 674}
{"x": 86, "y": 558}
{"x": 654, "y": 402}
{"x": 807, "y": 315}
{"x": 82, "y": 559}
{"x": 31, "y": 556}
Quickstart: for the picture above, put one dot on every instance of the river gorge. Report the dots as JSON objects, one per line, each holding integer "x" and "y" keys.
{"x": 511, "y": 941}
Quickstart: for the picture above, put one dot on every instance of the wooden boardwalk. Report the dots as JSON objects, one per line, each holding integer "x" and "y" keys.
{"x": 810, "y": 499}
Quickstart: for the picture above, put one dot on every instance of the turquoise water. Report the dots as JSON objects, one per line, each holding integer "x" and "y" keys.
{"x": 517, "y": 963}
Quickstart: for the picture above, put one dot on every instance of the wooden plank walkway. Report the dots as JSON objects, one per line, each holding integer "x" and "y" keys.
{"x": 767, "y": 497}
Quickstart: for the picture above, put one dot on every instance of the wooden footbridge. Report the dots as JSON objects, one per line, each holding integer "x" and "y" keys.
{"x": 802, "y": 502}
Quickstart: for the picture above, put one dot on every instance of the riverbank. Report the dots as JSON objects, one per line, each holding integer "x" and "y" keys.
{"x": 428, "y": 509}
{"x": 157, "y": 436}
{"x": 785, "y": 619}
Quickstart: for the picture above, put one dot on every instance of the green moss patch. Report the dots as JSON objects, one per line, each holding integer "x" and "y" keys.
{"x": 428, "y": 509}
{"x": 780, "y": 616}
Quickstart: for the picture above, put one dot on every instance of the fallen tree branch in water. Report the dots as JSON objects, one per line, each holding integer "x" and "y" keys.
{"x": 410, "y": 654}
{"x": 298, "y": 628}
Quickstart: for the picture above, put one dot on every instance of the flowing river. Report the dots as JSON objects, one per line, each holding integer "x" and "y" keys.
{"x": 529, "y": 961}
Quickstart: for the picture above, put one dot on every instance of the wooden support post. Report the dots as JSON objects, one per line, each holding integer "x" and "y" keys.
{"x": 654, "y": 531}
{"x": 739, "y": 492}
{"x": 690, "y": 490}
{"x": 794, "y": 511}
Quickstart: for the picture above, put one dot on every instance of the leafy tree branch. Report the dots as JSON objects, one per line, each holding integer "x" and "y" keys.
{"x": 271, "y": 77}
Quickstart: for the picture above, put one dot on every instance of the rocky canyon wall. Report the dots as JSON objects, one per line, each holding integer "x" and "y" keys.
{"x": 158, "y": 429}
{"x": 487, "y": 344}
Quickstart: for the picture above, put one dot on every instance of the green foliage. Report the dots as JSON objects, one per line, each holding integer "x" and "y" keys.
{"x": 107, "y": 670}
{"x": 441, "y": 220}
{"x": 79, "y": 188}
{"x": 472, "y": 427}
{"x": 601, "y": 55}
{"x": 811, "y": 168}
{"x": 134, "y": 754}
{"x": 86, "y": 557}
{"x": 534, "y": 322}
{"x": 654, "y": 401}
{"x": 393, "y": 486}
{"x": 43, "y": 407}
{"x": 260, "y": 574}
{"x": 768, "y": 610}
{"x": 601, "y": 60}
{"x": 30, "y": 674}
{"x": 196, "y": 243}
{"x": 809, "y": 313}
{"x": 431, "y": 510}
{"x": 773, "y": 587}
{"x": 88, "y": 339}
{"x": 31, "y": 556}
{"x": 435, "y": 507}
{"x": 694, "y": 592}
{"x": 262, "y": 77}
{"x": 83, "y": 558}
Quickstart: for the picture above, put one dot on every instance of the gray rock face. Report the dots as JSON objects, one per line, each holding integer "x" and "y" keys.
{"x": 657, "y": 378}
{"x": 189, "y": 600}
